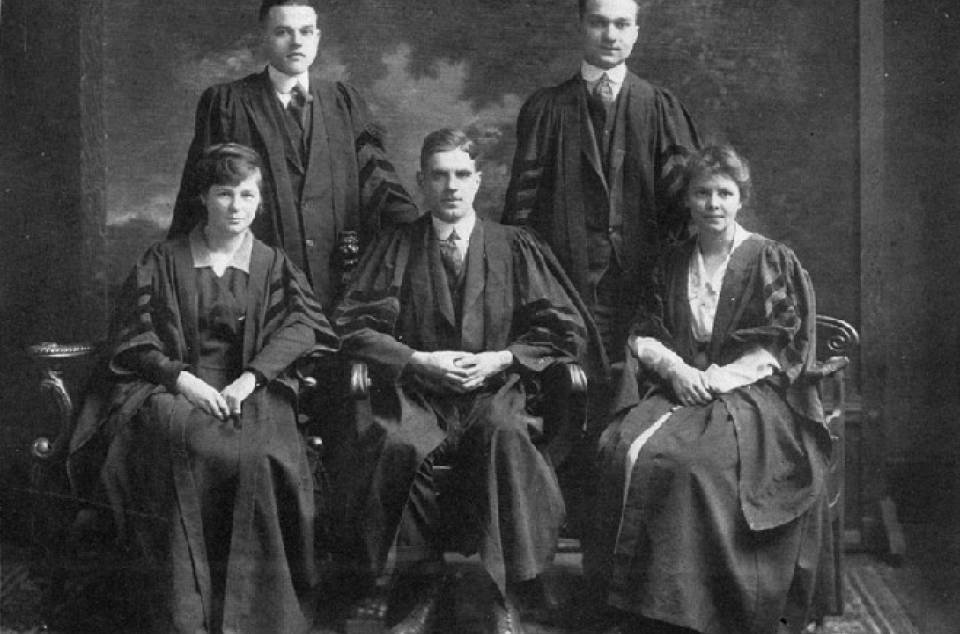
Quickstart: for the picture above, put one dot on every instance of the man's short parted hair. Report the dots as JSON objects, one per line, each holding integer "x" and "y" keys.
{"x": 582, "y": 8}
{"x": 446, "y": 140}
{"x": 722, "y": 160}
{"x": 266, "y": 5}
{"x": 227, "y": 164}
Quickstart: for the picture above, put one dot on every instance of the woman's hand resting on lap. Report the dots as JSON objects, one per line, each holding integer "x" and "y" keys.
{"x": 238, "y": 391}
{"x": 220, "y": 404}
{"x": 690, "y": 385}
{"x": 202, "y": 395}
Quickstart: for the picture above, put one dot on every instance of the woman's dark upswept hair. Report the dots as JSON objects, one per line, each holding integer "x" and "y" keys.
{"x": 723, "y": 160}
{"x": 227, "y": 164}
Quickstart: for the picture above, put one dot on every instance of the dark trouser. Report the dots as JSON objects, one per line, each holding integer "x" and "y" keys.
{"x": 502, "y": 499}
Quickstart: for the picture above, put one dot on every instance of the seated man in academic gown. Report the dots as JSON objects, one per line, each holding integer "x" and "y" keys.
{"x": 458, "y": 319}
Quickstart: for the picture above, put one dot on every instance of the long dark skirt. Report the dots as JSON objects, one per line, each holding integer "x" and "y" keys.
{"x": 224, "y": 512}
{"x": 677, "y": 548}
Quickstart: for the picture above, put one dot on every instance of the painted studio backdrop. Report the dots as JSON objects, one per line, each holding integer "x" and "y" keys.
{"x": 774, "y": 78}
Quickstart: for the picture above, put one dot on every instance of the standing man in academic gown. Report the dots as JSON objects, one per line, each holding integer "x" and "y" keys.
{"x": 326, "y": 171}
{"x": 458, "y": 318}
{"x": 594, "y": 176}
{"x": 595, "y": 161}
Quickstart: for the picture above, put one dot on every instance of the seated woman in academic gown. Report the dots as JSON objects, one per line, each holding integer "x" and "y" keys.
{"x": 712, "y": 501}
{"x": 204, "y": 465}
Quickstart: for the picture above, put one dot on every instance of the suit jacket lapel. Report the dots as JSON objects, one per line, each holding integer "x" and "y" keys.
{"x": 432, "y": 284}
{"x": 619, "y": 142}
{"x": 264, "y": 110}
{"x": 588, "y": 137}
{"x": 472, "y": 320}
{"x": 318, "y": 177}
{"x": 271, "y": 112}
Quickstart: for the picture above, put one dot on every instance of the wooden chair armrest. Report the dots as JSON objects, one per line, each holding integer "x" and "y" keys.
{"x": 304, "y": 369}
{"x": 824, "y": 369}
{"x": 49, "y": 351}
{"x": 360, "y": 382}
{"x": 50, "y": 358}
{"x": 577, "y": 378}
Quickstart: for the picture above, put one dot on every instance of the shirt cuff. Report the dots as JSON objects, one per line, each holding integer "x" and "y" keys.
{"x": 657, "y": 357}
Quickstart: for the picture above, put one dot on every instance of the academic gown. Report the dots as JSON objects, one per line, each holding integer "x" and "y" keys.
{"x": 222, "y": 511}
{"x": 724, "y": 528}
{"x": 514, "y": 297}
{"x": 339, "y": 181}
{"x": 579, "y": 201}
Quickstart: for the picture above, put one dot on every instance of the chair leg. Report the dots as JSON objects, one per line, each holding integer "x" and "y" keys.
{"x": 838, "y": 557}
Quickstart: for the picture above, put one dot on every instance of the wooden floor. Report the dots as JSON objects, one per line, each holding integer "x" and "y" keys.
{"x": 926, "y": 585}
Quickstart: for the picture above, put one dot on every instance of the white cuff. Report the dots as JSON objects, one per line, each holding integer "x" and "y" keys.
{"x": 657, "y": 357}
{"x": 752, "y": 366}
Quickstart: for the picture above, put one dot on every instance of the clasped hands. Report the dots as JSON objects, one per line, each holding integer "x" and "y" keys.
{"x": 223, "y": 404}
{"x": 459, "y": 371}
{"x": 691, "y": 385}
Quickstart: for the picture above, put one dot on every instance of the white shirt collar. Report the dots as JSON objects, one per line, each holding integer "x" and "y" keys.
{"x": 203, "y": 257}
{"x": 283, "y": 84}
{"x": 592, "y": 74}
{"x": 464, "y": 228}
{"x": 712, "y": 284}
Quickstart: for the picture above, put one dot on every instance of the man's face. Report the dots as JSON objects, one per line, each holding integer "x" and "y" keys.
{"x": 290, "y": 38}
{"x": 449, "y": 182}
{"x": 609, "y": 31}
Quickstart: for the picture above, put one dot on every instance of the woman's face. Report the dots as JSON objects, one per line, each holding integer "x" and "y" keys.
{"x": 714, "y": 200}
{"x": 232, "y": 208}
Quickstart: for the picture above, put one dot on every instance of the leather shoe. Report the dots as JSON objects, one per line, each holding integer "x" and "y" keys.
{"x": 431, "y": 613}
{"x": 536, "y": 601}
{"x": 505, "y": 618}
{"x": 368, "y": 615}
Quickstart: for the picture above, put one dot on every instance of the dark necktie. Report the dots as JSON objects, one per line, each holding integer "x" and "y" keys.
{"x": 603, "y": 91}
{"x": 452, "y": 258}
{"x": 299, "y": 98}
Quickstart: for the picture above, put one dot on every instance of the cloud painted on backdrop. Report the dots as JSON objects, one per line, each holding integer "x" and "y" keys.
{"x": 408, "y": 106}
{"x": 412, "y": 106}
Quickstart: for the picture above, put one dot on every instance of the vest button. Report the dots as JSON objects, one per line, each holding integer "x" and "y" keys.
{"x": 310, "y": 243}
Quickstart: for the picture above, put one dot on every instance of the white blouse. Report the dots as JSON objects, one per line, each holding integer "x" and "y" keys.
{"x": 703, "y": 292}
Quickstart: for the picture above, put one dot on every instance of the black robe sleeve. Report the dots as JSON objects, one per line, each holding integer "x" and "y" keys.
{"x": 366, "y": 318}
{"x": 296, "y": 324}
{"x": 382, "y": 196}
{"x": 535, "y": 150}
{"x": 550, "y": 323}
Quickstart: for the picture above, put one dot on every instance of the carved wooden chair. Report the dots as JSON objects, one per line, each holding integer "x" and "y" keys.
{"x": 836, "y": 342}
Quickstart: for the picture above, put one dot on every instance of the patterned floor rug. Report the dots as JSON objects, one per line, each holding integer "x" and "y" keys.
{"x": 871, "y": 607}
